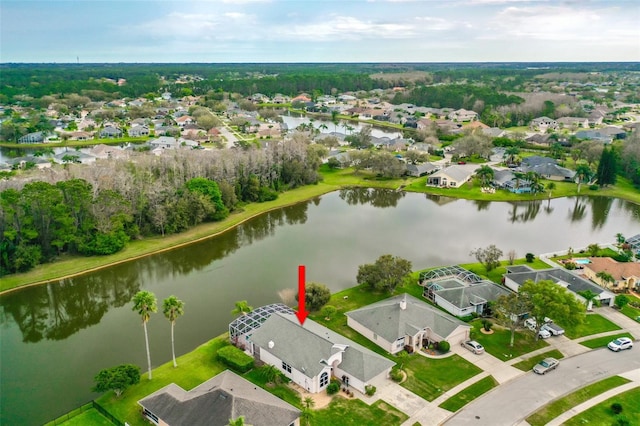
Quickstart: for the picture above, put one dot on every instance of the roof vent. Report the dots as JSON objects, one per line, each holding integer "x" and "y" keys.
{"x": 403, "y": 304}
{"x": 271, "y": 344}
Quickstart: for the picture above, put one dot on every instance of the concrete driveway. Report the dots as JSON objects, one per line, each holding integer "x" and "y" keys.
{"x": 512, "y": 402}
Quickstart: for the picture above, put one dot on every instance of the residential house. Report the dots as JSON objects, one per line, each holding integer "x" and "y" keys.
{"x": 215, "y": 402}
{"x": 573, "y": 122}
{"x": 311, "y": 354}
{"x": 494, "y": 132}
{"x": 539, "y": 139}
{"x": 103, "y": 151}
{"x": 595, "y": 135}
{"x": 567, "y": 279}
{"x": 168, "y": 142}
{"x": 74, "y": 157}
{"x": 462, "y": 115}
{"x": 405, "y": 322}
{"x": 35, "y": 137}
{"x": 552, "y": 172}
{"x": 423, "y": 169}
{"x": 459, "y": 291}
{"x": 507, "y": 179}
{"x": 544, "y": 123}
{"x": 110, "y": 132}
{"x": 138, "y": 131}
{"x": 21, "y": 162}
{"x": 80, "y": 136}
{"x": 615, "y": 132}
{"x": 625, "y": 274}
{"x": 185, "y": 119}
{"x": 452, "y": 177}
{"x": 634, "y": 242}
{"x": 301, "y": 98}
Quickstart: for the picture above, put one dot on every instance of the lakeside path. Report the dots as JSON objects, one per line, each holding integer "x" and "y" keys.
{"x": 332, "y": 181}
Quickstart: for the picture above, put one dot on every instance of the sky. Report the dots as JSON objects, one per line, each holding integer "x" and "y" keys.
{"x": 225, "y": 31}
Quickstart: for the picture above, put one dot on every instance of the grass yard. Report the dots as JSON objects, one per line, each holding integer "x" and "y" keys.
{"x": 282, "y": 391}
{"x": 91, "y": 417}
{"x": 496, "y": 274}
{"x": 630, "y": 311}
{"x": 467, "y": 395}
{"x": 430, "y": 378}
{"x": 601, "y": 342}
{"x": 601, "y": 414}
{"x": 497, "y": 344}
{"x": 593, "y": 324}
{"x": 528, "y": 363}
{"x": 560, "y": 406}
{"x": 354, "y": 412}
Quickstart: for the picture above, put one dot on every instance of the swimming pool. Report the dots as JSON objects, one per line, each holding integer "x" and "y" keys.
{"x": 582, "y": 261}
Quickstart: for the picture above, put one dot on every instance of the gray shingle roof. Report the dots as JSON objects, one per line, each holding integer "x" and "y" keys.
{"x": 303, "y": 347}
{"x": 212, "y": 403}
{"x": 558, "y": 275}
{"x": 463, "y": 297}
{"x": 388, "y": 320}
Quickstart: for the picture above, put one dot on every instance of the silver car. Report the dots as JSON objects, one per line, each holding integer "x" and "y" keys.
{"x": 620, "y": 344}
{"x": 545, "y": 365}
{"x": 473, "y": 346}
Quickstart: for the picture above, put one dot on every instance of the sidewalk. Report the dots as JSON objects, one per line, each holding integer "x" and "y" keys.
{"x": 632, "y": 375}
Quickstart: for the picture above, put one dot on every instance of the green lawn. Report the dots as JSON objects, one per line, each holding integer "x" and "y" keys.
{"x": 91, "y": 417}
{"x": 354, "y": 412}
{"x": 630, "y": 311}
{"x": 558, "y": 407}
{"x": 528, "y": 363}
{"x": 496, "y": 274}
{"x": 593, "y": 324}
{"x": 467, "y": 395}
{"x": 430, "y": 378}
{"x": 497, "y": 344}
{"x": 282, "y": 391}
{"x": 601, "y": 414}
{"x": 601, "y": 342}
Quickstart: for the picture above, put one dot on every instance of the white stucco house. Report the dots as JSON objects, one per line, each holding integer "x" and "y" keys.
{"x": 405, "y": 321}
{"x": 453, "y": 176}
{"x": 311, "y": 354}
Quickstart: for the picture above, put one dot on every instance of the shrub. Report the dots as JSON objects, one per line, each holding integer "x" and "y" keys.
{"x": 235, "y": 359}
{"x": 530, "y": 257}
{"x": 622, "y": 421}
{"x": 370, "y": 390}
{"x": 621, "y": 300}
{"x": 570, "y": 265}
{"x": 396, "y": 374}
{"x": 444, "y": 346}
{"x": 333, "y": 388}
{"x": 486, "y": 324}
{"x": 616, "y": 407}
{"x": 594, "y": 187}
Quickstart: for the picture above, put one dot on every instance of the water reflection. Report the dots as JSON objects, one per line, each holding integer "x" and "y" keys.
{"x": 524, "y": 211}
{"x": 600, "y": 207}
{"x": 578, "y": 211}
{"x": 376, "y": 197}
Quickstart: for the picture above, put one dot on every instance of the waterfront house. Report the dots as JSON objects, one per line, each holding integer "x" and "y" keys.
{"x": 626, "y": 275}
{"x": 452, "y": 177}
{"x": 405, "y": 322}
{"x": 311, "y": 354}
{"x": 215, "y": 402}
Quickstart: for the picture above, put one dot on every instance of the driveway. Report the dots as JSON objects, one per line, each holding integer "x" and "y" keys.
{"x": 512, "y": 402}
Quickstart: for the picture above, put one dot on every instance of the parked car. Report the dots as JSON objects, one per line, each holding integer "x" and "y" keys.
{"x": 620, "y": 344}
{"x": 544, "y": 334}
{"x": 473, "y": 346}
{"x": 553, "y": 328}
{"x": 530, "y": 323}
{"x": 546, "y": 365}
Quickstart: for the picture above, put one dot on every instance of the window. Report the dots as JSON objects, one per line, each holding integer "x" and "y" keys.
{"x": 286, "y": 367}
{"x": 324, "y": 379}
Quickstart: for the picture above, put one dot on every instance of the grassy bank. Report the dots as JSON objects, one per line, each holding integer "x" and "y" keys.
{"x": 333, "y": 180}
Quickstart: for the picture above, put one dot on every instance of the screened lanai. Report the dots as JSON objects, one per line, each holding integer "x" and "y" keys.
{"x": 242, "y": 326}
{"x": 441, "y": 274}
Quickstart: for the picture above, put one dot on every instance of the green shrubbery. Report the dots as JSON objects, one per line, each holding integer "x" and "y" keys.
{"x": 333, "y": 388}
{"x": 370, "y": 390}
{"x": 235, "y": 359}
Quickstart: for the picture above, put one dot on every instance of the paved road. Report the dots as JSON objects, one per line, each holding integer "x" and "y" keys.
{"x": 510, "y": 403}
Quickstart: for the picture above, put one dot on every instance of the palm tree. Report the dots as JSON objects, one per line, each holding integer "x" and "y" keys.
{"x": 270, "y": 373}
{"x": 606, "y": 278}
{"x": 145, "y": 303}
{"x": 620, "y": 239}
{"x": 172, "y": 307}
{"x": 550, "y": 187}
{"x": 242, "y": 307}
{"x": 583, "y": 172}
{"x": 237, "y": 422}
{"x": 510, "y": 154}
{"x": 485, "y": 173}
{"x": 307, "y": 409}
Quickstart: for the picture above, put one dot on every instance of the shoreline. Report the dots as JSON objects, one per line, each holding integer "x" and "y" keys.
{"x": 210, "y": 230}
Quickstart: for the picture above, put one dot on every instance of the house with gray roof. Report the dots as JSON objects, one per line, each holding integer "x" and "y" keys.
{"x": 406, "y": 322}
{"x": 569, "y": 280}
{"x": 453, "y": 176}
{"x": 421, "y": 169}
{"x": 35, "y": 137}
{"x": 553, "y": 172}
{"x": 224, "y": 397}
{"x": 310, "y": 354}
{"x": 462, "y": 299}
{"x": 110, "y": 132}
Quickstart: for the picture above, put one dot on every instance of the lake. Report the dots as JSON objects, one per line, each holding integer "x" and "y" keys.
{"x": 56, "y": 337}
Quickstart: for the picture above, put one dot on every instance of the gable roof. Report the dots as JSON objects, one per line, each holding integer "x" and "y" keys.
{"x": 305, "y": 347}
{"x": 212, "y": 403}
{"x": 456, "y": 172}
{"x": 535, "y": 160}
{"x": 560, "y": 276}
{"x": 473, "y": 294}
{"x": 388, "y": 320}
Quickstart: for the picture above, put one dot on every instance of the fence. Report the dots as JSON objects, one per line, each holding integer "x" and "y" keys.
{"x": 88, "y": 406}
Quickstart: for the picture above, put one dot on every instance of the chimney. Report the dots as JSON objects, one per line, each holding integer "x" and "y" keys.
{"x": 403, "y": 303}
{"x": 271, "y": 344}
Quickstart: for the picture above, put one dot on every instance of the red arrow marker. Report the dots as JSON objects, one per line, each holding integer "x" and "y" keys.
{"x": 302, "y": 312}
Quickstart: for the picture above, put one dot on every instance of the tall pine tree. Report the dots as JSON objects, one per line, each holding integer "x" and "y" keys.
{"x": 607, "y": 167}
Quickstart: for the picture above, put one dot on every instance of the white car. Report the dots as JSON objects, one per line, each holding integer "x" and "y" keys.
{"x": 544, "y": 333}
{"x": 620, "y": 343}
{"x": 473, "y": 346}
{"x": 546, "y": 365}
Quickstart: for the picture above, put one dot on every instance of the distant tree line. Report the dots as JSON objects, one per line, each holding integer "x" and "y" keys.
{"x": 96, "y": 210}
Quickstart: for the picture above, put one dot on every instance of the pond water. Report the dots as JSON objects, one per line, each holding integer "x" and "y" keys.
{"x": 56, "y": 337}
